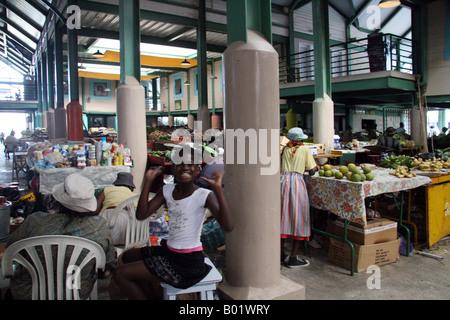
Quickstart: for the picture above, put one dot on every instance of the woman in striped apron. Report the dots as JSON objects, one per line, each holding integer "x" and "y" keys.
{"x": 295, "y": 218}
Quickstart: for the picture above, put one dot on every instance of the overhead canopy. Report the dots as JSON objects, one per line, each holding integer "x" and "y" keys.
{"x": 107, "y": 76}
{"x": 151, "y": 61}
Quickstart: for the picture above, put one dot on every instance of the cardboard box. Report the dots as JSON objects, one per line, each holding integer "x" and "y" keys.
{"x": 377, "y": 230}
{"x": 313, "y": 150}
{"x": 378, "y": 254}
{"x": 320, "y": 147}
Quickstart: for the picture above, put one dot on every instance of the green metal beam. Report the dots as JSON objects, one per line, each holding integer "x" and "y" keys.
{"x": 59, "y": 65}
{"x": 360, "y": 10}
{"x": 19, "y": 42}
{"x": 248, "y": 14}
{"x": 322, "y": 66}
{"x": 107, "y": 34}
{"x": 25, "y": 18}
{"x": 19, "y": 28}
{"x": 391, "y": 16}
{"x": 72, "y": 49}
{"x": 50, "y": 75}
{"x": 201, "y": 55}
{"x": 130, "y": 38}
{"x": 18, "y": 106}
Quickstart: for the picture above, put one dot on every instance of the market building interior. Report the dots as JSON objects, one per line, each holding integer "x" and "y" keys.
{"x": 132, "y": 71}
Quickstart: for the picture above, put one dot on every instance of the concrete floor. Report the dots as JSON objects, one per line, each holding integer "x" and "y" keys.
{"x": 411, "y": 278}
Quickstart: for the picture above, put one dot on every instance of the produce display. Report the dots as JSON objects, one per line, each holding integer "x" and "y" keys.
{"x": 443, "y": 154}
{"x": 403, "y": 172}
{"x": 434, "y": 164}
{"x": 393, "y": 161}
{"x": 351, "y": 172}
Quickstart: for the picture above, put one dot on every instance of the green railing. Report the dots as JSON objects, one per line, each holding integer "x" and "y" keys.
{"x": 385, "y": 52}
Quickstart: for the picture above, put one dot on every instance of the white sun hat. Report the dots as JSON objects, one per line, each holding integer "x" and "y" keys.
{"x": 76, "y": 193}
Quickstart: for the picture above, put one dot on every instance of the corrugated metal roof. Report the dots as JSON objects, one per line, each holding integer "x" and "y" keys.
{"x": 216, "y": 13}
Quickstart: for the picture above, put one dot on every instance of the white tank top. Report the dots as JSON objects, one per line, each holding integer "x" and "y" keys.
{"x": 186, "y": 218}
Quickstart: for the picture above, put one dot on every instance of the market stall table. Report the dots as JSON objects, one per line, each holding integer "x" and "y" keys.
{"x": 347, "y": 198}
{"x": 436, "y": 203}
{"x": 101, "y": 176}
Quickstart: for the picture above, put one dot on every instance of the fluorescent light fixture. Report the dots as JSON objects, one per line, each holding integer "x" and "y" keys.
{"x": 185, "y": 63}
{"x": 389, "y": 4}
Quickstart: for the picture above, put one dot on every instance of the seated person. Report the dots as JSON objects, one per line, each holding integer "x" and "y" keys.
{"x": 76, "y": 217}
{"x": 109, "y": 199}
{"x": 389, "y": 141}
{"x": 11, "y": 144}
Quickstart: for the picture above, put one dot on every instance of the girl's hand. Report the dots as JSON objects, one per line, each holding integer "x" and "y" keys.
{"x": 154, "y": 172}
{"x": 216, "y": 181}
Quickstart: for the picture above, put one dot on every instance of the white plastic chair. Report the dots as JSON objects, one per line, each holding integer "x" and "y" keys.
{"x": 42, "y": 272}
{"x": 137, "y": 233}
{"x": 206, "y": 286}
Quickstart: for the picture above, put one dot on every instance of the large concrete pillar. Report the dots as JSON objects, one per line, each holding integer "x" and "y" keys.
{"x": 323, "y": 121}
{"x": 190, "y": 121}
{"x": 204, "y": 115}
{"x": 50, "y": 124}
{"x": 131, "y": 126}
{"x": 253, "y": 247}
{"x": 291, "y": 119}
{"x": 170, "y": 121}
{"x": 215, "y": 121}
{"x": 418, "y": 128}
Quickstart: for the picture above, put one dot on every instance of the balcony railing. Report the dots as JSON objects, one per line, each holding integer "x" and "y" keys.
{"x": 385, "y": 52}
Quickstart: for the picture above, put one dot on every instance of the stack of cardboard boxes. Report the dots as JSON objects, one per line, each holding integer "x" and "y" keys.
{"x": 375, "y": 244}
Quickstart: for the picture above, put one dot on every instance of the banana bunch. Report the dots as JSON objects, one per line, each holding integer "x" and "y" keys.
{"x": 447, "y": 164}
{"x": 434, "y": 165}
{"x": 393, "y": 161}
{"x": 403, "y": 172}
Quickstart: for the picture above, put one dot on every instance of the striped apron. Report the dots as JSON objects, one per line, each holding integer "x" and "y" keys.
{"x": 295, "y": 217}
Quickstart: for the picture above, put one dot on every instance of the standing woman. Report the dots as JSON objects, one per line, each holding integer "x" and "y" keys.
{"x": 295, "y": 216}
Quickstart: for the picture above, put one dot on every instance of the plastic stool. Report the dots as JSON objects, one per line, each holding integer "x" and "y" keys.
{"x": 206, "y": 286}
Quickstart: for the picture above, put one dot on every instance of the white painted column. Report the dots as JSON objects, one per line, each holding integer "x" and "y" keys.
{"x": 323, "y": 121}
{"x": 253, "y": 247}
{"x": 131, "y": 125}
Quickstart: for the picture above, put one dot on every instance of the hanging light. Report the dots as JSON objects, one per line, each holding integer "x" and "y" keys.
{"x": 186, "y": 83}
{"x": 389, "y": 3}
{"x": 185, "y": 63}
{"x": 81, "y": 67}
{"x": 98, "y": 54}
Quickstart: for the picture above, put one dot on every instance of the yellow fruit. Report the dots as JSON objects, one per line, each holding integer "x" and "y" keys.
{"x": 343, "y": 169}
{"x": 326, "y": 167}
{"x": 338, "y": 175}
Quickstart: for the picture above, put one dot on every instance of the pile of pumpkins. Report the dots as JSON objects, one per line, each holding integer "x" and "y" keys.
{"x": 351, "y": 172}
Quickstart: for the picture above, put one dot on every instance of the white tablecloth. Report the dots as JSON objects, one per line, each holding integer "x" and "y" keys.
{"x": 101, "y": 176}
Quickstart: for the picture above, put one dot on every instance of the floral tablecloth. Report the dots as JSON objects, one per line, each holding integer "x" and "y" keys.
{"x": 346, "y": 198}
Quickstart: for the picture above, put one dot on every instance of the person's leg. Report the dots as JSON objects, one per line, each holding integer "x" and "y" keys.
{"x": 135, "y": 281}
{"x": 295, "y": 247}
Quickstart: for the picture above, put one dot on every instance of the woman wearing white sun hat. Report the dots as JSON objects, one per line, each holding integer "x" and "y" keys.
{"x": 76, "y": 217}
{"x": 296, "y": 159}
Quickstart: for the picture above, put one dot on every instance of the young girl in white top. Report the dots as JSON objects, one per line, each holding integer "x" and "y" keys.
{"x": 180, "y": 261}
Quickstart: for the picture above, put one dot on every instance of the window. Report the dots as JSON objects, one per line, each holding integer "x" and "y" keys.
{"x": 178, "y": 86}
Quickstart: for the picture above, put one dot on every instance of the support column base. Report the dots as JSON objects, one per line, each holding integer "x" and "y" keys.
{"x": 285, "y": 289}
